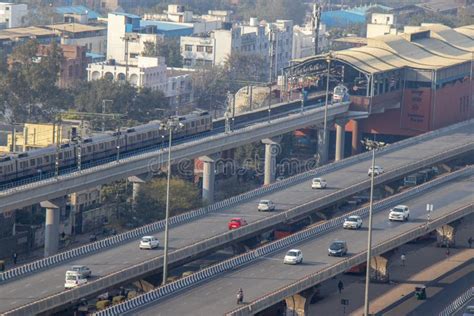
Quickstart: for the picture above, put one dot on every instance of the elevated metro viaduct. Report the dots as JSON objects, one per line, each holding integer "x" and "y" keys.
{"x": 409, "y": 84}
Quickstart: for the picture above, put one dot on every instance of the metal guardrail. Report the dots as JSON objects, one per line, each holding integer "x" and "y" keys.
{"x": 108, "y": 162}
{"x": 458, "y": 303}
{"x": 189, "y": 216}
{"x": 246, "y": 258}
{"x": 327, "y": 273}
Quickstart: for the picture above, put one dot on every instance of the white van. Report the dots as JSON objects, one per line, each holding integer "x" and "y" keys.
{"x": 73, "y": 279}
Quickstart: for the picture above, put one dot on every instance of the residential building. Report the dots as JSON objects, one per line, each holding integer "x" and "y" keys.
{"x": 214, "y": 20}
{"x": 36, "y": 135}
{"x": 272, "y": 41}
{"x": 77, "y": 14}
{"x": 10, "y": 38}
{"x": 148, "y": 72}
{"x": 93, "y": 37}
{"x": 382, "y": 24}
{"x": 128, "y": 34}
{"x": 303, "y": 40}
{"x": 12, "y": 14}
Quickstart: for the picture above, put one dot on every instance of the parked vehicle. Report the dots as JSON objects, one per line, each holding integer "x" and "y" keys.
{"x": 265, "y": 206}
{"x": 377, "y": 170}
{"x": 74, "y": 279}
{"x": 318, "y": 183}
{"x": 337, "y": 248}
{"x": 293, "y": 256}
{"x": 352, "y": 222}
{"x": 236, "y": 222}
{"x": 82, "y": 270}
{"x": 149, "y": 242}
{"x": 399, "y": 213}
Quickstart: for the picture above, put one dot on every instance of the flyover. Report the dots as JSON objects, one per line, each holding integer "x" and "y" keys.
{"x": 140, "y": 163}
{"x": 116, "y": 265}
{"x": 267, "y": 281}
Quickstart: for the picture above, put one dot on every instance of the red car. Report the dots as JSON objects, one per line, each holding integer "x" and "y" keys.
{"x": 236, "y": 222}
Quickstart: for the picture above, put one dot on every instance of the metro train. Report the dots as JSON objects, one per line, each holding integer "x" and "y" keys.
{"x": 31, "y": 163}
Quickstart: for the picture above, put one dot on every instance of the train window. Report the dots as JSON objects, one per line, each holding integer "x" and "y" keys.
{"x": 193, "y": 124}
{"x": 1, "y": 170}
{"x": 101, "y": 146}
{"x": 89, "y": 149}
{"x": 46, "y": 159}
{"x": 202, "y": 122}
{"x": 23, "y": 164}
{"x": 132, "y": 139}
{"x": 139, "y": 137}
{"x": 60, "y": 155}
{"x": 39, "y": 161}
{"x": 149, "y": 134}
{"x": 32, "y": 162}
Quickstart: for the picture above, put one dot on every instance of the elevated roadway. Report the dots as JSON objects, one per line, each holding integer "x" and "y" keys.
{"x": 115, "y": 265}
{"x": 268, "y": 274}
{"x": 142, "y": 163}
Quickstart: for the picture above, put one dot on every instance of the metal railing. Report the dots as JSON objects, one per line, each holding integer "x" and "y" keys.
{"x": 189, "y": 216}
{"x": 458, "y": 303}
{"x": 246, "y": 258}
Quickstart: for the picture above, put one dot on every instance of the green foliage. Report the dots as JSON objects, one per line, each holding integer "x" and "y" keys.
{"x": 29, "y": 86}
{"x": 139, "y": 105}
{"x": 151, "y": 202}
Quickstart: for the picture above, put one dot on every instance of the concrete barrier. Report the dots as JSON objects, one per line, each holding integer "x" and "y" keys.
{"x": 458, "y": 303}
{"x": 286, "y": 242}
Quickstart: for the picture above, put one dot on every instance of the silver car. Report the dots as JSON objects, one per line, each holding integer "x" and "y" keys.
{"x": 83, "y": 271}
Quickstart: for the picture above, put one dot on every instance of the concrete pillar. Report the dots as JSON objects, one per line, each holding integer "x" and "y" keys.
{"x": 323, "y": 146}
{"x": 379, "y": 269}
{"x": 340, "y": 136}
{"x": 355, "y": 137}
{"x": 298, "y": 304}
{"x": 51, "y": 231}
{"x": 271, "y": 151}
{"x": 208, "y": 178}
{"x": 137, "y": 182}
{"x": 445, "y": 236}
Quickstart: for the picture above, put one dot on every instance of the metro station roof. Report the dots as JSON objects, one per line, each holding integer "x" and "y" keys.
{"x": 430, "y": 47}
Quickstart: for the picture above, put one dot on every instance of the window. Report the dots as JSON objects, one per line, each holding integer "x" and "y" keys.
{"x": 209, "y": 49}
{"x": 200, "y": 48}
{"x": 188, "y": 48}
{"x": 188, "y": 62}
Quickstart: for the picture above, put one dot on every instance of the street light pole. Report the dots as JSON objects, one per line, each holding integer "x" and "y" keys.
{"x": 170, "y": 126}
{"x": 370, "y": 145}
{"x": 327, "y": 99}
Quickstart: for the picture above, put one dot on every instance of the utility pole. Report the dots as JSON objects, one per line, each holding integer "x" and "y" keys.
{"x": 315, "y": 22}
{"x": 272, "y": 54}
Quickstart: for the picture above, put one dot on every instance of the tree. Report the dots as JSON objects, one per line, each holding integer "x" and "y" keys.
{"x": 168, "y": 48}
{"x": 210, "y": 87}
{"x": 138, "y": 105}
{"x": 151, "y": 201}
{"x": 246, "y": 67}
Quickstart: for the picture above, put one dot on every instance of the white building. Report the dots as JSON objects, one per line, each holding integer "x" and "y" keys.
{"x": 272, "y": 41}
{"x": 149, "y": 72}
{"x": 201, "y": 24}
{"x": 382, "y": 24}
{"x": 303, "y": 40}
{"x": 125, "y": 39}
{"x": 13, "y": 15}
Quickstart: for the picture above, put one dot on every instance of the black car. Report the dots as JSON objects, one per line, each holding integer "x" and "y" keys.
{"x": 337, "y": 248}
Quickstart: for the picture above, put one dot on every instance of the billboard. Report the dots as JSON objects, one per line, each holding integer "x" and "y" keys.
{"x": 416, "y": 109}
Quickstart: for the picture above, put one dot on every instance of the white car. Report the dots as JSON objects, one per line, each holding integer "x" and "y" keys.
{"x": 149, "y": 242}
{"x": 377, "y": 171}
{"x": 352, "y": 222}
{"x": 293, "y": 256}
{"x": 265, "y": 206}
{"x": 74, "y": 279}
{"x": 399, "y": 213}
{"x": 318, "y": 183}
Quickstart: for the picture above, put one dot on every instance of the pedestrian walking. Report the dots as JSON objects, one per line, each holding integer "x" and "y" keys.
{"x": 469, "y": 241}
{"x": 14, "y": 257}
{"x": 447, "y": 252}
{"x": 403, "y": 258}
{"x": 340, "y": 286}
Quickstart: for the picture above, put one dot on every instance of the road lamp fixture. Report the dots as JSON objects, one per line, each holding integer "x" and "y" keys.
{"x": 373, "y": 146}
{"x": 171, "y": 125}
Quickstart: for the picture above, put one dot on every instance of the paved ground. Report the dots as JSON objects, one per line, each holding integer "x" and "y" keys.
{"x": 446, "y": 279}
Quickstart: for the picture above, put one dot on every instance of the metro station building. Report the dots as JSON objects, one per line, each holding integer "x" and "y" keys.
{"x": 407, "y": 84}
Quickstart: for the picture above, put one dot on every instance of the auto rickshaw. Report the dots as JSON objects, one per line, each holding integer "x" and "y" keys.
{"x": 420, "y": 292}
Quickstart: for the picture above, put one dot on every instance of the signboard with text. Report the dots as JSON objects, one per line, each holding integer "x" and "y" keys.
{"x": 416, "y": 109}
